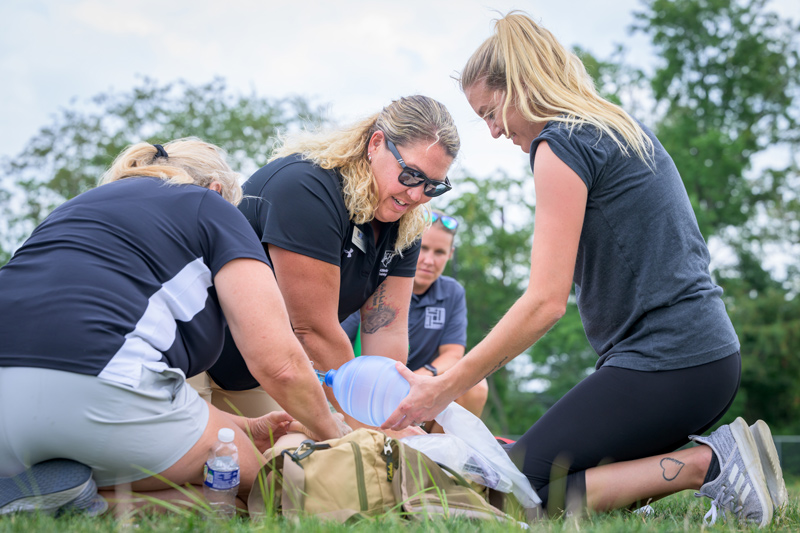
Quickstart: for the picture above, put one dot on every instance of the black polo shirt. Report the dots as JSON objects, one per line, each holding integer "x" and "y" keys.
{"x": 296, "y": 205}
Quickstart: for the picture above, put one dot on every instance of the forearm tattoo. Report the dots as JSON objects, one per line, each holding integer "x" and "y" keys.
{"x": 670, "y": 468}
{"x": 496, "y": 367}
{"x": 379, "y": 313}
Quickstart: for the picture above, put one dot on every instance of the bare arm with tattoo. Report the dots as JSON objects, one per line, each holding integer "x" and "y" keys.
{"x": 377, "y": 312}
{"x": 384, "y": 319}
{"x": 310, "y": 288}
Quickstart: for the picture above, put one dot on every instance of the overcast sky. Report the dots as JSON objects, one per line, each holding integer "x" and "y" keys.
{"x": 354, "y": 56}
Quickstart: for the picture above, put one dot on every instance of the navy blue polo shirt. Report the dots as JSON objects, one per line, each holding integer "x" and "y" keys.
{"x": 435, "y": 318}
{"x": 121, "y": 277}
{"x": 298, "y": 206}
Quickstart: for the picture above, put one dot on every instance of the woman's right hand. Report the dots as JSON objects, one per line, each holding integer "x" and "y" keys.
{"x": 426, "y": 399}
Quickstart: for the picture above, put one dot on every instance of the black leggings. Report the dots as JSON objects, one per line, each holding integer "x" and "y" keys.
{"x": 617, "y": 414}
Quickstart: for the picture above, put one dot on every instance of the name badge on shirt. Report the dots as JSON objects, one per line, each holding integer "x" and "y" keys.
{"x": 358, "y": 240}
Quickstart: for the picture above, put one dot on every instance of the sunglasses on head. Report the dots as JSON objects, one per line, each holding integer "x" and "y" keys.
{"x": 411, "y": 177}
{"x": 447, "y": 221}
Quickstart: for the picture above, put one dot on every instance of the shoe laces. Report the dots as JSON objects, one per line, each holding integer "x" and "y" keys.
{"x": 726, "y": 500}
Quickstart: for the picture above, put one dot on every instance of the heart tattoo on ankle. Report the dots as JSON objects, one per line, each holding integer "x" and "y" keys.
{"x": 670, "y": 468}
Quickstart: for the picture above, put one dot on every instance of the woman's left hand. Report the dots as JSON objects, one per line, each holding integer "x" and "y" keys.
{"x": 424, "y": 402}
{"x": 265, "y": 430}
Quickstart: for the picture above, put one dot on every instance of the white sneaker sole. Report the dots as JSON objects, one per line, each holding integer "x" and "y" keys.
{"x": 752, "y": 462}
{"x": 771, "y": 465}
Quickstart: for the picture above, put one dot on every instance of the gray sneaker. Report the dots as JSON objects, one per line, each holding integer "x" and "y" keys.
{"x": 50, "y": 486}
{"x": 740, "y": 486}
{"x": 771, "y": 465}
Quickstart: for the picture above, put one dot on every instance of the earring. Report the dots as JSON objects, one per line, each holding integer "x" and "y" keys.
{"x": 369, "y": 158}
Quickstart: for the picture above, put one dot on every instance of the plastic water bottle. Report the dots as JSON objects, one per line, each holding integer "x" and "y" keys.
{"x": 222, "y": 475}
{"x": 369, "y": 388}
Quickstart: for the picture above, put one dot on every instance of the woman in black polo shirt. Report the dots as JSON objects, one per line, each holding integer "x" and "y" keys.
{"x": 340, "y": 214}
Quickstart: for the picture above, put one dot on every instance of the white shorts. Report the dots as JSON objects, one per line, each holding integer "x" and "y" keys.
{"x": 123, "y": 434}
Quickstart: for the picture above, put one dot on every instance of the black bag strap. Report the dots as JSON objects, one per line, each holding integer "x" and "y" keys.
{"x": 306, "y": 448}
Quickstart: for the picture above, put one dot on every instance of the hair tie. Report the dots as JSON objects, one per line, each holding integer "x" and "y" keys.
{"x": 160, "y": 152}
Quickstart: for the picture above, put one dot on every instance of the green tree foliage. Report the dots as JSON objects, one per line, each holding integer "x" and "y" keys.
{"x": 728, "y": 77}
{"x": 727, "y": 86}
{"x": 69, "y": 155}
{"x": 768, "y": 325}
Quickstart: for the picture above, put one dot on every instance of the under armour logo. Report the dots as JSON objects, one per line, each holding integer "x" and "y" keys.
{"x": 349, "y": 252}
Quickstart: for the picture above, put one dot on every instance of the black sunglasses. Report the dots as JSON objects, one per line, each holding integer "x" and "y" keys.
{"x": 411, "y": 177}
{"x": 447, "y": 221}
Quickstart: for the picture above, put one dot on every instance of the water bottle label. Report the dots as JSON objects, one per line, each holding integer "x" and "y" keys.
{"x": 221, "y": 479}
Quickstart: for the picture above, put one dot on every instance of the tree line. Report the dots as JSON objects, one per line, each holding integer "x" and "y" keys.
{"x": 722, "y": 96}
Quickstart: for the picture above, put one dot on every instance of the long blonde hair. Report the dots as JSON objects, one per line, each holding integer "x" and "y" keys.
{"x": 188, "y": 161}
{"x": 405, "y": 121}
{"x": 546, "y": 82}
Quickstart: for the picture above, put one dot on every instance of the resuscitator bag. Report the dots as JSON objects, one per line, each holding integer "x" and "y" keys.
{"x": 469, "y": 448}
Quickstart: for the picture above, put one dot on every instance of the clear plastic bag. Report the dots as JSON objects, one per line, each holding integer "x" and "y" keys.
{"x": 459, "y": 422}
{"x": 452, "y": 451}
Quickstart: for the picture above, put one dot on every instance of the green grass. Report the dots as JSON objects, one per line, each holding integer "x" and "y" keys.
{"x": 681, "y": 512}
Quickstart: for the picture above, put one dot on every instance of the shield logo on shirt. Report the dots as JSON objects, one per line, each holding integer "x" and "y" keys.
{"x": 434, "y": 317}
{"x": 388, "y": 255}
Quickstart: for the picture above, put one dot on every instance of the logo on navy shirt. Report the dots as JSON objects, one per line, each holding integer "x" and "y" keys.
{"x": 434, "y": 317}
{"x": 349, "y": 252}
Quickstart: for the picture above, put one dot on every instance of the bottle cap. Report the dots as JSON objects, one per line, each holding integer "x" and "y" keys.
{"x": 225, "y": 435}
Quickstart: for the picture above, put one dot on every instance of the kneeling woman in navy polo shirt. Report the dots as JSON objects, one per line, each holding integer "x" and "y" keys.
{"x": 340, "y": 214}
{"x": 116, "y": 297}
